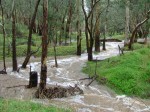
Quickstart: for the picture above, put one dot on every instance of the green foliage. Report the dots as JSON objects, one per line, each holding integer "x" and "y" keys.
{"x": 127, "y": 74}
{"x": 25, "y": 106}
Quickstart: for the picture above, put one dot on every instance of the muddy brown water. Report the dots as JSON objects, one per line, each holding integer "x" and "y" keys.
{"x": 96, "y": 98}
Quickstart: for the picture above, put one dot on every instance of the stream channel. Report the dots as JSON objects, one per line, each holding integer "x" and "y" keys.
{"x": 96, "y": 98}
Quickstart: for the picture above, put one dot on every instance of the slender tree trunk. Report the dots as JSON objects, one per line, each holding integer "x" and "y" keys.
{"x": 4, "y": 36}
{"x": 127, "y": 32}
{"x": 30, "y": 36}
{"x": 14, "y": 57}
{"x": 62, "y": 28}
{"x": 43, "y": 75}
{"x": 106, "y": 24}
{"x": 78, "y": 31}
{"x": 97, "y": 29}
{"x": 68, "y": 22}
{"x": 56, "y": 64}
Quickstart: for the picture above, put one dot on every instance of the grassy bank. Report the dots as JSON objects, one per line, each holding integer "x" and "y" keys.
{"x": 24, "y": 106}
{"x": 128, "y": 74}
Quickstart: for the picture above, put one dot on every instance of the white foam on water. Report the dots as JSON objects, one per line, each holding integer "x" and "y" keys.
{"x": 84, "y": 110}
{"x": 63, "y": 78}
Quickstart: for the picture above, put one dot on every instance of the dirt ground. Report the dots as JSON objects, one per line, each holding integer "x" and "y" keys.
{"x": 13, "y": 87}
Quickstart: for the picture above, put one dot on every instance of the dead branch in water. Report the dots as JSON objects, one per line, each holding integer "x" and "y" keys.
{"x": 120, "y": 51}
{"x": 93, "y": 79}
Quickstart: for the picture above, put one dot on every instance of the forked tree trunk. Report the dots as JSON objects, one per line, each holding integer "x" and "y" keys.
{"x": 135, "y": 30}
{"x": 30, "y": 36}
{"x": 43, "y": 75}
{"x": 14, "y": 57}
{"x": 4, "y": 36}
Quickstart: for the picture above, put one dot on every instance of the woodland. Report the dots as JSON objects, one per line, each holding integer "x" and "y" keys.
{"x": 74, "y": 55}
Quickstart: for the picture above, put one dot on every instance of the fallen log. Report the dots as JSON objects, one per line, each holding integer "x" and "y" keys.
{"x": 111, "y": 40}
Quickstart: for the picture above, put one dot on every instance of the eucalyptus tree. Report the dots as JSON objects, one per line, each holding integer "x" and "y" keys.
{"x": 97, "y": 28}
{"x": 4, "y": 36}
{"x": 140, "y": 18}
{"x": 127, "y": 13}
{"x": 78, "y": 6}
{"x": 92, "y": 26}
{"x": 14, "y": 57}
{"x": 43, "y": 74}
{"x": 106, "y": 24}
{"x": 29, "y": 53}
{"x": 70, "y": 11}
{"x": 136, "y": 28}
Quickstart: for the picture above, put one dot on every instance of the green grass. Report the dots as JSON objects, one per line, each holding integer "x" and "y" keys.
{"x": 22, "y": 46}
{"x": 25, "y": 106}
{"x": 128, "y": 74}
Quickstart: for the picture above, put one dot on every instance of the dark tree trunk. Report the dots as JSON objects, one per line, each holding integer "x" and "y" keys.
{"x": 39, "y": 29}
{"x": 90, "y": 48}
{"x": 56, "y": 64}
{"x": 97, "y": 29}
{"x": 97, "y": 38}
{"x": 14, "y": 57}
{"x": 34, "y": 27}
{"x": 30, "y": 36}
{"x": 79, "y": 43}
{"x": 68, "y": 22}
{"x": 4, "y": 36}
{"x": 62, "y": 28}
{"x": 106, "y": 24}
{"x": 97, "y": 43}
{"x": 43, "y": 75}
{"x": 78, "y": 31}
{"x": 89, "y": 28}
{"x": 104, "y": 45}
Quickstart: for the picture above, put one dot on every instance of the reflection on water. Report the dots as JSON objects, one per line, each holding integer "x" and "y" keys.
{"x": 96, "y": 98}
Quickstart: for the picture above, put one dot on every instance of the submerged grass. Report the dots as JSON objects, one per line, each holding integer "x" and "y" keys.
{"x": 25, "y": 106}
{"x": 127, "y": 74}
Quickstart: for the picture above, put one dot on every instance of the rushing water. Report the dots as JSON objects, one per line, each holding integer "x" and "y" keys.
{"x": 96, "y": 98}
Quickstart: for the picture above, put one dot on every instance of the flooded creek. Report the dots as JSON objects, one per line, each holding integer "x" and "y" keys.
{"x": 96, "y": 98}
